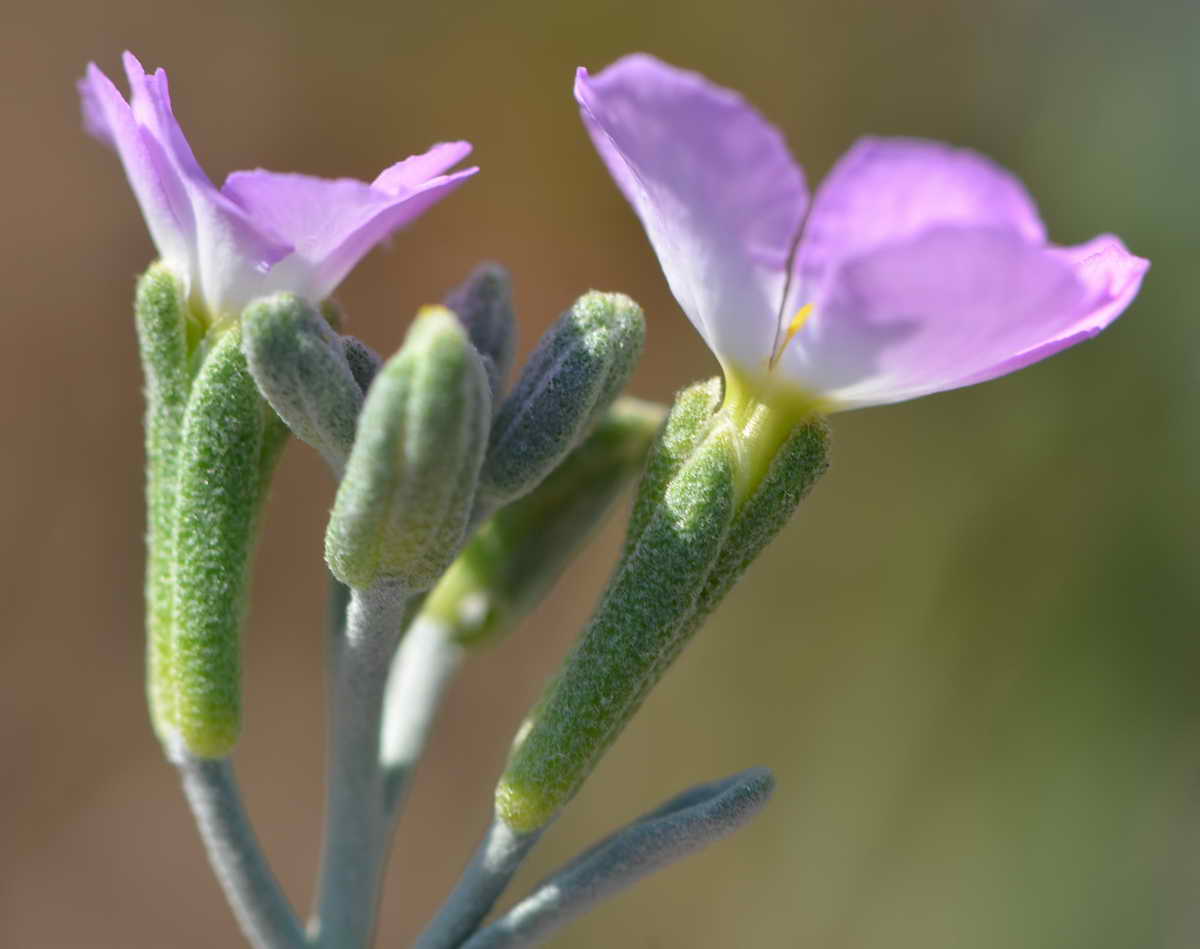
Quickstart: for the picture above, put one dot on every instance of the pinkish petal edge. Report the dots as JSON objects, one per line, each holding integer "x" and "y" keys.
{"x": 334, "y": 223}
{"x": 948, "y": 308}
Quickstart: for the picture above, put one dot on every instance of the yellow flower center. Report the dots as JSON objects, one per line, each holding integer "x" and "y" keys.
{"x": 766, "y": 408}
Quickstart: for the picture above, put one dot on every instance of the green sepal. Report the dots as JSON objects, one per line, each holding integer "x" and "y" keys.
{"x": 793, "y": 466}
{"x": 227, "y": 450}
{"x": 689, "y": 421}
{"x": 403, "y": 504}
{"x": 301, "y": 368}
{"x": 652, "y": 607}
{"x": 796, "y": 467}
{"x": 579, "y": 367}
{"x": 636, "y": 631}
{"x": 160, "y": 312}
{"x": 483, "y": 304}
{"x": 518, "y": 555}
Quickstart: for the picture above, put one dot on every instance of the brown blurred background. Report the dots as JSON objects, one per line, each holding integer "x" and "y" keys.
{"x": 971, "y": 660}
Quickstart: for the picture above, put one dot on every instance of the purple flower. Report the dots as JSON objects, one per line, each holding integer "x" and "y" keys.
{"x": 916, "y": 268}
{"x": 262, "y": 231}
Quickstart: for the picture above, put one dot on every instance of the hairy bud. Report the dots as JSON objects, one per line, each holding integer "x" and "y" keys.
{"x": 577, "y": 370}
{"x": 409, "y": 487}
{"x": 301, "y": 368}
{"x": 483, "y": 304}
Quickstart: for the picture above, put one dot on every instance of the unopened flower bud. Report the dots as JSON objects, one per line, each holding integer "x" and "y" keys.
{"x": 301, "y": 368}
{"x": 577, "y": 370}
{"x": 518, "y": 555}
{"x": 364, "y": 362}
{"x": 483, "y": 304}
{"x": 409, "y": 487}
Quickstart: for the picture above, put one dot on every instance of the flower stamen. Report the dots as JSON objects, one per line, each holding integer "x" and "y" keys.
{"x": 797, "y": 323}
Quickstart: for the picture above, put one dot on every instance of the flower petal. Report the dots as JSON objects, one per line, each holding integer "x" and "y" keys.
{"x": 334, "y": 223}
{"x": 1113, "y": 277}
{"x": 159, "y": 192}
{"x": 715, "y": 187}
{"x": 230, "y": 252}
{"x": 953, "y": 307}
{"x": 887, "y": 190}
{"x": 416, "y": 170}
{"x": 1113, "y": 274}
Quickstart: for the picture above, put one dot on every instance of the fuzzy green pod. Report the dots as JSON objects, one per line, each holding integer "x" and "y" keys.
{"x": 403, "y": 504}
{"x": 226, "y": 453}
{"x": 518, "y": 555}
{"x": 483, "y": 304}
{"x": 161, "y": 315}
{"x": 579, "y": 367}
{"x": 632, "y": 638}
{"x": 301, "y": 368}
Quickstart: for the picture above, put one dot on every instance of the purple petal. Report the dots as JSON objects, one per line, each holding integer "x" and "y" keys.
{"x": 884, "y": 191}
{"x": 1110, "y": 272}
{"x": 231, "y": 251}
{"x": 953, "y": 307}
{"x": 262, "y": 231}
{"x": 159, "y": 192}
{"x": 334, "y": 223}
{"x": 715, "y": 187}
{"x": 150, "y": 99}
{"x": 203, "y": 236}
{"x": 416, "y": 170}
{"x": 1112, "y": 276}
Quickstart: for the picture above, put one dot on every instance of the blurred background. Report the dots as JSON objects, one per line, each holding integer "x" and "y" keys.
{"x": 971, "y": 660}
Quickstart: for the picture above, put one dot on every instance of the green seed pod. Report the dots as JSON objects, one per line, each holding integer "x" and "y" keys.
{"x": 632, "y": 638}
{"x": 577, "y": 370}
{"x": 402, "y": 507}
{"x": 301, "y": 368}
{"x": 483, "y": 304}
{"x": 516, "y": 557}
{"x": 160, "y": 310}
{"x": 226, "y": 454}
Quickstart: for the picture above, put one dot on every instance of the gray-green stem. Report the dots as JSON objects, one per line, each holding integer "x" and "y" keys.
{"x": 683, "y": 825}
{"x": 423, "y": 668}
{"x": 262, "y": 910}
{"x": 487, "y": 875}
{"x": 355, "y": 850}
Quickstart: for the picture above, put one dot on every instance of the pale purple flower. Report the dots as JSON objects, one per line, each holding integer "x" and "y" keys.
{"x": 916, "y": 268}
{"x": 262, "y": 231}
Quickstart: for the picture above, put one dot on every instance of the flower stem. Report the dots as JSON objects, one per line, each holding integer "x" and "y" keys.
{"x": 491, "y": 868}
{"x": 355, "y": 850}
{"x": 683, "y": 825}
{"x": 423, "y": 668}
{"x": 262, "y": 910}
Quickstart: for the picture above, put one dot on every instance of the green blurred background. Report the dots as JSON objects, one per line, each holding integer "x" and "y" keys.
{"x": 972, "y": 658}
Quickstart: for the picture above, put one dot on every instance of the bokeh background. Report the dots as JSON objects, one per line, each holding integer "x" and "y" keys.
{"x": 971, "y": 660}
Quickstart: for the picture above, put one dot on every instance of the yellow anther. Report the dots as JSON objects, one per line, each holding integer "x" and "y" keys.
{"x": 794, "y": 327}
